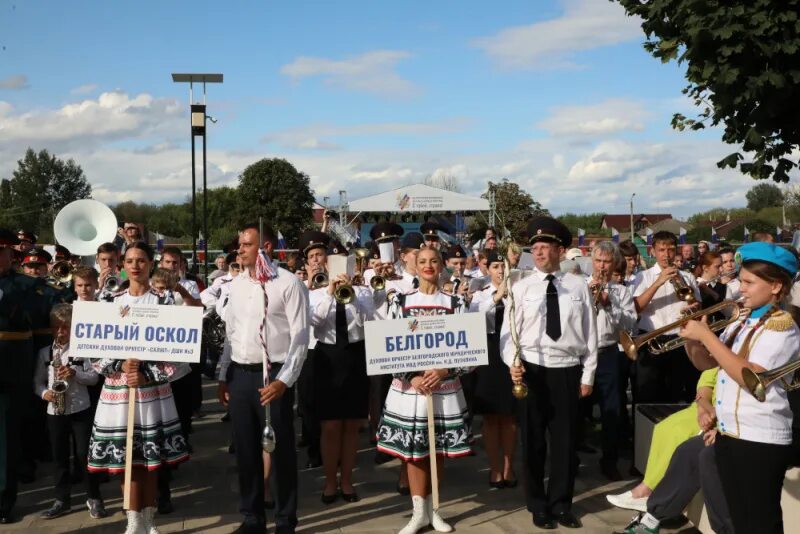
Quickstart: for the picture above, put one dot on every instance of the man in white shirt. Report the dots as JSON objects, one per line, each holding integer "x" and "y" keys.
{"x": 669, "y": 377}
{"x": 267, "y": 322}
{"x": 729, "y": 274}
{"x": 615, "y": 312}
{"x": 557, "y": 330}
{"x": 172, "y": 260}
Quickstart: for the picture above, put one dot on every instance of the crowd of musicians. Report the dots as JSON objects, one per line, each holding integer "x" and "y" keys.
{"x": 290, "y": 336}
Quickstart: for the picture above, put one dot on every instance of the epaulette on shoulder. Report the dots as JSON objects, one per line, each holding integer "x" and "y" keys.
{"x": 779, "y": 321}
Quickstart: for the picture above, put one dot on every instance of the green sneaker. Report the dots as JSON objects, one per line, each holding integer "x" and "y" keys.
{"x": 636, "y": 527}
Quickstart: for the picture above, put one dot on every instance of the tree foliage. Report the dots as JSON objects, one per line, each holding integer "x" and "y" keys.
{"x": 764, "y": 195}
{"x": 743, "y": 65}
{"x": 591, "y": 222}
{"x": 514, "y": 207}
{"x": 41, "y": 185}
{"x": 274, "y": 190}
{"x": 448, "y": 182}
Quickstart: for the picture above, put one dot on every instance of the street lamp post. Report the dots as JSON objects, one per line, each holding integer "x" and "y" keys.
{"x": 633, "y": 195}
{"x": 198, "y": 128}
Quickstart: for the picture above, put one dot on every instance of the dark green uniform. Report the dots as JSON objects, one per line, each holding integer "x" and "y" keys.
{"x": 16, "y": 358}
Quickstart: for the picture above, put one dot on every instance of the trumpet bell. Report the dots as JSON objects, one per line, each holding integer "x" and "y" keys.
{"x": 757, "y": 383}
{"x": 319, "y": 280}
{"x": 60, "y": 386}
{"x": 61, "y": 272}
{"x": 344, "y": 294}
{"x": 377, "y": 283}
{"x": 84, "y": 225}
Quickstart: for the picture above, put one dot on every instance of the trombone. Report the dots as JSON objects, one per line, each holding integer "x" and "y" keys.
{"x": 631, "y": 345}
{"x": 757, "y": 383}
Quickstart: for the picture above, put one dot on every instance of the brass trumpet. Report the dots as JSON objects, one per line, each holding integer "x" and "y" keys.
{"x": 319, "y": 280}
{"x": 757, "y": 383}
{"x": 61, "y": 272}
{"x": 632, "y": 345}
{"x": 683, "y": 291}
{"x": 377, "y": 282}
{"x": 344, "y": 294}
{"x": 597, "y": 290}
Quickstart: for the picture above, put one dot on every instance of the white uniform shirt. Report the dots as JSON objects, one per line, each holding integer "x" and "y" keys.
{"x": 191, "y": 287}
{"x": 733, "y": 289}
{"x": 76, "y": 398}
{"x": 483, "y": 302}
{"x": 665, "y": 307}
{"x": 619, "y": 315}
{"x": 578, "y": 341}
{"x": 739, "y": 414}
{"x": 323, "y": 314}
{"x": 286, "y": 327}
{"x": 210, "y": 295}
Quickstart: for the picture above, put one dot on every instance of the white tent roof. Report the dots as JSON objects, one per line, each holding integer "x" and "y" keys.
{"x": 419, "y": 198}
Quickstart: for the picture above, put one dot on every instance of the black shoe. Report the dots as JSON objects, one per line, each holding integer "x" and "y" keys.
{"x": 329, "y": 499}
{"x": 227, "y": 417}
{"x": 58, "y": 509}
{"x": 97, "y": 509}
{"x": 500, "y": 484}
{"x": 610, "y": 471}
{"x": 165, "y": 506}
{"x": 544, "y": 520}
{"x": 403, "y": 490}
{"x": 6, "y": 518}
{"x": 350, "y": 497}
{"x": 567, "y": 519}
{"x": 248, "y": 528}
{"x": 511, "y": 483}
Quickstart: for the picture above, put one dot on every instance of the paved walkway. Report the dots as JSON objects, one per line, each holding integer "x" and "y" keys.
{"x": 205, "y": 496}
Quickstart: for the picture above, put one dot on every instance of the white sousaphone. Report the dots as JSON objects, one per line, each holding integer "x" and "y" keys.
{"x": 84, "y": 225}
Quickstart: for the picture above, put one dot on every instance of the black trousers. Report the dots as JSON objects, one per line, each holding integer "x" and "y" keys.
{"x": 693, "y": 466}
{"x": 752, "y": 476}
{"x": 551, "y": 406}
{"x": 609, "y": 390}
{"x": 247, "y": 416}
{"x": 183, "y": 393}
{"x": 63, "y": 428}
{"x": 306, "y": 409}
{"x": 668, "y": 378}
{"x": 12, "y": 401}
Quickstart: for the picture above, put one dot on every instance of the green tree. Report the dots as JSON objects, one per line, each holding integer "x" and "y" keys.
{"x": 274, "y": 190}
{"x": 764, "y": 195}
{"x": 589, "y": 221}
{"x": 755, "y": 225}
{"x": 742, "y": 65}
{"x": 41, "y": 185}
{"x": 514, "y": 207}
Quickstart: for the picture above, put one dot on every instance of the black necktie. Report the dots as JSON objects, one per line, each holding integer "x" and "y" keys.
{"x": 553, "y": 325}
{"x": 341, "y": 325}
{"x": 499, "y": 310}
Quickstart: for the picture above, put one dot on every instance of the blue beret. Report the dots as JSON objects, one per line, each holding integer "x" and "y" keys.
{"x": 768, "y": 252}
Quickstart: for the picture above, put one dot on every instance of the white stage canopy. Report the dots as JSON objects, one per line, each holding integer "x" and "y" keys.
{"x": 418, "y": 198}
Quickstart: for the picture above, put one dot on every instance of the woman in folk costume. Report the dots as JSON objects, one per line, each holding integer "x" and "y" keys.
{"x": 403, "y": 429}
{"x": 157, "y": 432}
{"x": 753, "y": 446}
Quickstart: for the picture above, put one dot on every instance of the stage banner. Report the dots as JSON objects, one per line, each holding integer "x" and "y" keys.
{"x": 143, "y": 332}
{"x": 425, "y": 342}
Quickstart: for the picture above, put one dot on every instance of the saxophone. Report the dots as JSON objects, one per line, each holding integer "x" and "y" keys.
{"x": 59, "y": 387}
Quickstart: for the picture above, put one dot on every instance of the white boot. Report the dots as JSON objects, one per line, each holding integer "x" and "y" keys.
{"x": 135, "y": 523}
{"x": 148, "y": 519}
{"x": 436, "y": 521}
{"x": 419, "y": 519}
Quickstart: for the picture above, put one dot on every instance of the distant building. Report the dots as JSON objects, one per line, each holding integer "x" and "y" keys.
{"x": 640, "y": 221}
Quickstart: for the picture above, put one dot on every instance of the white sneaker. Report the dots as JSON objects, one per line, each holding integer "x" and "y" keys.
{"x": 628, "y": 501}
{"x": 419, "y": 519}
{"x": 148, "y": 520}
{"x": 135, "y": 523}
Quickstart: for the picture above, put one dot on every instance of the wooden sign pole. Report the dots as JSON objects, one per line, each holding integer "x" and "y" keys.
{"x": 432, "y": 448}
{"x": 126, "y": 497}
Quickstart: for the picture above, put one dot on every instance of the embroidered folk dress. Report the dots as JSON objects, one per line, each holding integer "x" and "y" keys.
{"x": 403, "y": 429}
{"x": 157, "y": 432}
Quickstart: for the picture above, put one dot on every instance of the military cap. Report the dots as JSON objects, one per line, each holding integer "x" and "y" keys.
{"x": 36, "y": 255}
{"x": 456, "y": 251}
{"x": 386, "y": 231}
{"x": 24, "y": 235}
{"x": 548, "y": 229}
{"x": 336, "y": 247}
{"x": 8, "y": 238}
{"x": 313, "y": 239}
{"x": 412, "y": 240}
{"x": 430, "y": 230}
{"x": 493, "y": 256}
{"x": 62, "y": 253}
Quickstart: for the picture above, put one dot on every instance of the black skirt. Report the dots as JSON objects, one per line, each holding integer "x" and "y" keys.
{"x": 341, "y": 385}
{"x": 493, "y": 384}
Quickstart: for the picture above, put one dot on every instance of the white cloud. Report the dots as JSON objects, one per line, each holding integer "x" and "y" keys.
{"x": 18, "y": 81}
{"x": 84, "y": 89}
{"x": 90, "y": 123}
{"x": 611, "y": 116}
{"x": 584, "y": 25}
{"x": 372, "y": 72}
{"x": 321, "y": 136}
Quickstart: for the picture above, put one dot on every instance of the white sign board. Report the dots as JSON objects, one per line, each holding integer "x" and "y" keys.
{"x": 425, "y": 342}
{"x": 143, "y": 332}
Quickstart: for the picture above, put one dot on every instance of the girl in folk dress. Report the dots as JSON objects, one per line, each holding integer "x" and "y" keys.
{"x": 157, "y": 433}
{"x": 403, "y": 430}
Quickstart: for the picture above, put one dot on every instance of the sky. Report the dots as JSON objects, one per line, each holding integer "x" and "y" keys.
{"x": 556, "y": 95}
